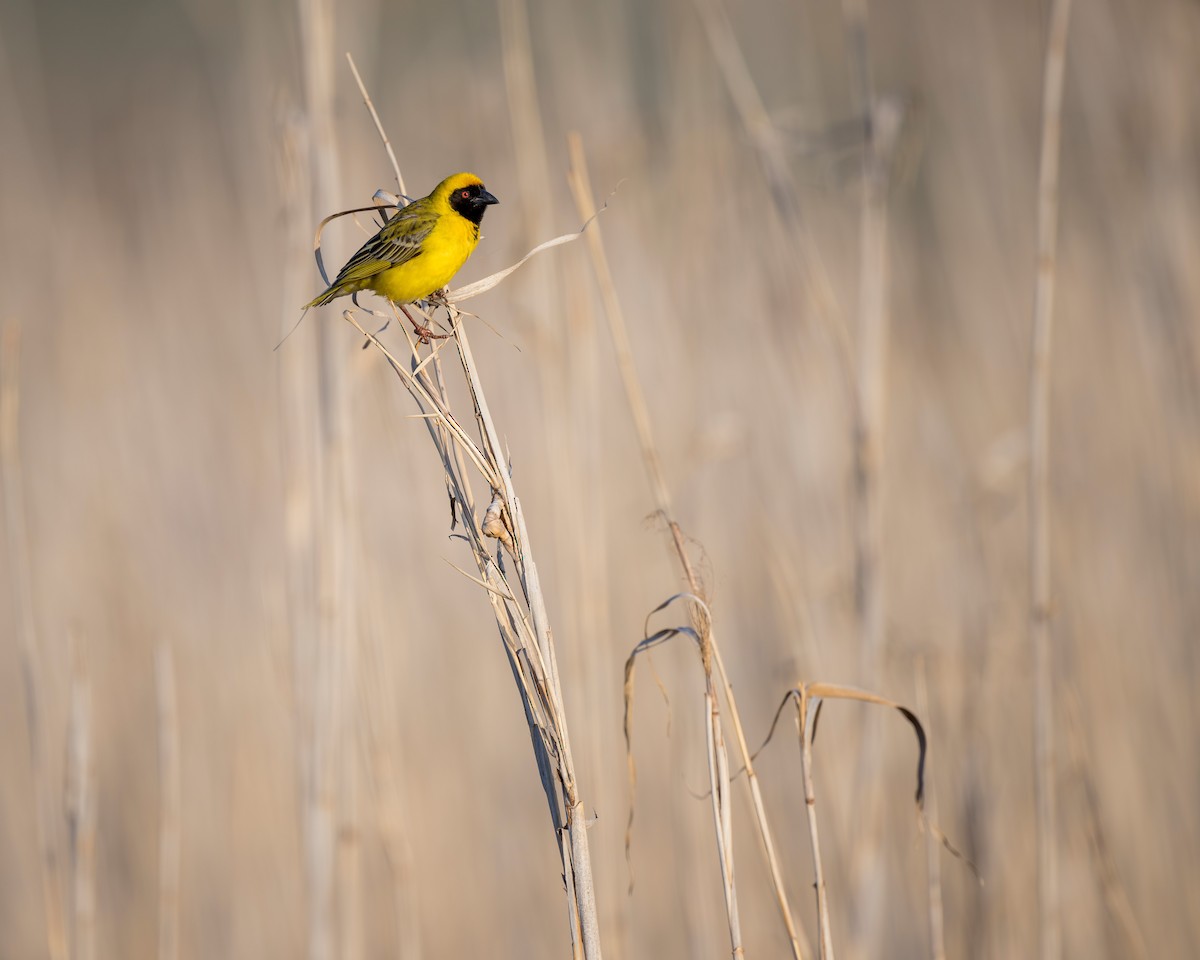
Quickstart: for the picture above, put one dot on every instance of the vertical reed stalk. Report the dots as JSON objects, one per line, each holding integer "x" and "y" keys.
{"x": 772, "y": 156}
{"x": 810, "y": 806}
{"x": 81, "y": 809}
{"x": 168, "y": 804}
{"x": 881, "y": 123}
{"x": 804, "y": 695}
{"x": 519, "y": 607}
{"x": 585, "y": 202}
{"x": 933, "y": 845}
{"x": 1050, "y": 923}
{"x": 1121, "y": 915}
{"x": 46, "y": 794}
{"x": 331, "y": 774}
{"x": 576, "y": 813}
{"x": 722, "y": 806}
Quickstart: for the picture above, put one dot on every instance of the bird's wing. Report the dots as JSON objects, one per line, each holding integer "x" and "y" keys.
{"x": 398, "y": 242}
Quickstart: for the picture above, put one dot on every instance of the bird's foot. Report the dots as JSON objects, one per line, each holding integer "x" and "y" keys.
{"x": 424, "y": 333}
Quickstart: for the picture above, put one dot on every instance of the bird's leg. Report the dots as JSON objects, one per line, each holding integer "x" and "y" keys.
{"x": 438, "y": 299}
{"x": 424, "y": 333}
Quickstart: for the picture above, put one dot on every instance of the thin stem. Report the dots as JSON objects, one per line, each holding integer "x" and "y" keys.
{"x": 81, "y": 809}
{"x": 333, "y": 520}
{"x": 880, "y": 126}
{"x": 1050, "y": 922}
{"x": 580, "y": 861}
{"x": 17, "y": 544}
{"x": 387, "y": 144}
{"x": 168, "y": 805}
{"x": 933, "y": 846}
{"x": 810, "y": 806}
{"x": 582, "y": 189}
{"x": 718, "y": 785}
{"x": 763, "y": 134}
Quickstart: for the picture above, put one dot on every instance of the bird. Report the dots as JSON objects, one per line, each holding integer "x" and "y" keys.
{"x": 418, "y": 251}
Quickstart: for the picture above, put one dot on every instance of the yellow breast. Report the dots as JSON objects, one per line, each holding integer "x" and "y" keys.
{"x": 442, "y": 255}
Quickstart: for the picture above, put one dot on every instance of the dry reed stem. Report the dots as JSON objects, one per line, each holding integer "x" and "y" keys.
{"x": 933, "y": 845}
{"x": 881, "y": 120}
{"x": 168, "y": 803}
{"x": 581, "y": 188}
{"x": 387, "y": 144}
{"x": 1120, "y": 910}
{"x": 772, "y": 156}
{"x": 384, "y": 784}
{"x": 524, "y": 628}
{"x": 559, "y": 349}
{"x": 529, "y": 139}
{"x": 532, "y": 166}
{"x": 801, "y": 696}
{"x": 81, "y": 809}
{"x": 576, "y": 814}
{"x": 722, "y": 807}
{"x": 715, "y": 752}
{"x": 580, "y": 860}
{"x": 1049, "y": 918}
{"x": 349, "y": 899}
{"x": 297, "y": 398}
{"x": 591, "y": 597}
{"x": 46, "y": 794}
{"x": 333, "y": 521}
{"x": 814, "y": 837}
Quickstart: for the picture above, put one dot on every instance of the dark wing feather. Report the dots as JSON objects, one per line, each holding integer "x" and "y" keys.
{"x": 398, "y": 242}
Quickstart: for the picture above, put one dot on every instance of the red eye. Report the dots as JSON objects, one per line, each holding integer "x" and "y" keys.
{"x": 466, "y": 194}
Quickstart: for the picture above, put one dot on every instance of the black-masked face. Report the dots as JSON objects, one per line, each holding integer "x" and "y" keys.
{"x": 471, "y": 201}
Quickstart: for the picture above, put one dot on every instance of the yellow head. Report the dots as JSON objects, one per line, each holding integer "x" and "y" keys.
{"x": 466, "y": 195}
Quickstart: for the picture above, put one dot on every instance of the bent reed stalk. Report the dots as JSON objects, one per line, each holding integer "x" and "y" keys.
{"x": 517, "y": 602}
{"x": 581, "y": 188}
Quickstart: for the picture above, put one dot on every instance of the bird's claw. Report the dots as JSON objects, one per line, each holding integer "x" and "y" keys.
{"x": 425, "y": 334}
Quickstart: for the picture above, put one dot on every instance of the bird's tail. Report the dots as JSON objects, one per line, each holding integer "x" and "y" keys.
{"x": 327, "y": 297}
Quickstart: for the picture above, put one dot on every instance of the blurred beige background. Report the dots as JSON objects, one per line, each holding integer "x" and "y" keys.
{"x": 156, "y": 206}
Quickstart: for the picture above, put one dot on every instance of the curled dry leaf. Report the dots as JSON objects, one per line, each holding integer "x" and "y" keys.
{"x": 460, "y": 294}
{"x": 495, "y": 523}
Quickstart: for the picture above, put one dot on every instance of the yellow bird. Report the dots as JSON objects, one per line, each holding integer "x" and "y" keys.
{"x": 420, "y": 249}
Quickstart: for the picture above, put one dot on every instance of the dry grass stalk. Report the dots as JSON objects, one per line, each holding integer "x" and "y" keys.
{"x": 584, "y": 198}
{"x": 81, "y": 809}
{"x": 563, "y": 348}
{"x": 716, "y": 753}
{"x": 772, "y": 155}
{"x": 168, "y": 803}
{"x": 329, "y": 678}
{"x": 1050, "y": 921}
{"x": 46, "y": 807}
{"x": 814, "y": 838}
{"x": 881, "y": 120}
{"x": 933, "y": 844}
{"x": 1120, "y": 910}
{"x": 519, "y": 606}
{"x": 386, "y": 790}
{"x": 529, "y": 139}
{"x": 387, "y": 144}
{"x": 802, "y": 696}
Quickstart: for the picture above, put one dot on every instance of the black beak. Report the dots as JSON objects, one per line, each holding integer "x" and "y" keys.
{"x": 485, "y": 198}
